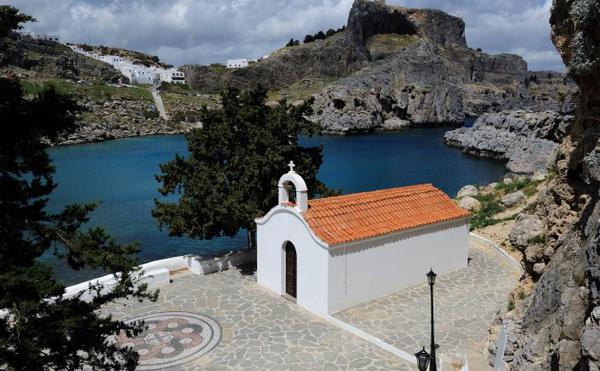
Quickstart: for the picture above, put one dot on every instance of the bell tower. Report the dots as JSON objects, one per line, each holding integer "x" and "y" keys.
{"x": 287, "y": 180}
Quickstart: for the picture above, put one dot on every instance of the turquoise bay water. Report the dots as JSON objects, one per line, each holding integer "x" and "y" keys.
{"x": 120, "y": 174}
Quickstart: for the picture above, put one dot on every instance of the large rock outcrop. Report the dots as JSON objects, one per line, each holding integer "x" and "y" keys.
{"x": 369, "y": 18}
{"x": 528, "y": 140}
{"x": 428, "y": 76}
{"x": 394, "y": 67}
{"x": 557, "y": 327}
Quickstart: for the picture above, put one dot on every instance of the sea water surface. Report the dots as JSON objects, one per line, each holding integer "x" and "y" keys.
{"x": 120, "y": 175}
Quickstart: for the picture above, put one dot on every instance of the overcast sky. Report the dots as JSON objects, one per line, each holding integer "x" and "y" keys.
{"x": 206, "y": 31}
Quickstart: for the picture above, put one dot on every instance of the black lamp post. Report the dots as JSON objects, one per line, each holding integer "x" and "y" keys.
{"x": 422, "y": 359}
{"x": 431, "y": 279}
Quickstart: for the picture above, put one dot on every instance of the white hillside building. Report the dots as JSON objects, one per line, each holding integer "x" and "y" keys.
{"x": 136, "y": 73}
{"x": 237, "y": 63}
{"x": 333, "y": 253}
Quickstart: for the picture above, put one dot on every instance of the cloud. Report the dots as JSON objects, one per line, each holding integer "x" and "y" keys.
{"x": 206, "y": 31}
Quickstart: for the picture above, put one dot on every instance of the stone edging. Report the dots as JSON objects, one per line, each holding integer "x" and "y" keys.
{"x": 484, "y": 240}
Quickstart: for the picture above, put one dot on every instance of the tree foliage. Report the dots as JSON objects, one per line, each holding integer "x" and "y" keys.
{"x": 39, "y": 328}
{"x": 11, "y": 19}
{"x": 322, "y": 35}
{"x": 230, "y": 176}
{"x": 309, "y": 39}
{"x": 293, "y": 42}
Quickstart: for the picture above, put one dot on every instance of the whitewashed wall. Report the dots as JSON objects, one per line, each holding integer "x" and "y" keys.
{"x": 366, "y": 270}
{"x": 284, "y": 224}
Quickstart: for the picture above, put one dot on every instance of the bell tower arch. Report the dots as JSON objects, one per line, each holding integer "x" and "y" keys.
{"x": 286, "y": 181}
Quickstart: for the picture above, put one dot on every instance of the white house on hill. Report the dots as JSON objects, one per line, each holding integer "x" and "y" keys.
{"x": 136, "y": 73}
{"x": 237, "y": 63}
{"x": 333, "y": 253}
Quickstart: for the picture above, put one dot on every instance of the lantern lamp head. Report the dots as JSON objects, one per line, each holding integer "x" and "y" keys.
{"x": 431, "y": 277}
{"x": 422, "y": 359}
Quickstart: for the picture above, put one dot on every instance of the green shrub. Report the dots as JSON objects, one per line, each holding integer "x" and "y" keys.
{"x": 511, "y": 305}
{"x": 490, "y": 206}
{"x": 151, "y": 114}
{"x": 526, "y": 185}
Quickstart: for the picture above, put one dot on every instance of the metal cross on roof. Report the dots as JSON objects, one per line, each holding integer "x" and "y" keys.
{"x": 291, "y": 165}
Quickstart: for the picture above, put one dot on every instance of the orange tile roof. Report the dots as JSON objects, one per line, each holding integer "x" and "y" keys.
{"x": 363, "y": 215}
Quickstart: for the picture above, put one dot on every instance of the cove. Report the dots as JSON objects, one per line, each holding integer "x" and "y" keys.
{"x": 120, "y": 175}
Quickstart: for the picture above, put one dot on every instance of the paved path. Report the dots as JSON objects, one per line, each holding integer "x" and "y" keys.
{"x": 158, "y": 102}
{"x": 467, "y": 301}
{"x": 259, "y": 330}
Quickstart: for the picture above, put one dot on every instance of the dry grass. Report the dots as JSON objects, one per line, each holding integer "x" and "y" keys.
{"x": 389, "y": 43}
{"x": 302, "y": 89}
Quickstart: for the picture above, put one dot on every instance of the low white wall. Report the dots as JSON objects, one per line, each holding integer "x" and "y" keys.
{"x": 172, "y": 264}
{"x": 153, "y": 279}
{"x": 359, "y": 272}
{"x": 311, "y": 286}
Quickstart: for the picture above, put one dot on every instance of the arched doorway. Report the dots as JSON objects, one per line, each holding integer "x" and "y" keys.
{"x": 290, "y": 269}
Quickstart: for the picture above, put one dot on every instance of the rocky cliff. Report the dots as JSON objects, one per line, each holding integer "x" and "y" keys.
{"x": 557, "y": 327}
{"x": 394, "y": 67}
{"x": 528, "y": 140}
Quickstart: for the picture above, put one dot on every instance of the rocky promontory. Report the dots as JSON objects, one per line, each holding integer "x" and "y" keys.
{"x": 394, "y": 67}
{"x": 528, "y": 140}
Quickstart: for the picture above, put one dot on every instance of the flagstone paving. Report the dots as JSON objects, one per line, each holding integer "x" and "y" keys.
{"x": 260, "y": 331}
{"x": 466, "y": 303}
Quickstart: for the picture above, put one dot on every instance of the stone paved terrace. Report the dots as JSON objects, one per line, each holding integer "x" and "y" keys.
{"x": 261, "y": 331}
{"x": 466, "y": 303}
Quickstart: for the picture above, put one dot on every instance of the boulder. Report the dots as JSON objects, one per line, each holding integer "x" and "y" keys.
{"x": 491, "y": 187}
{"x": 569, "y": 353}
{"x": 395, "y": 124}
{"x": 534, "y": 252}
{"x": 526, "y": 229}
{"x": 512, "y": 199}
{"x": 591, "y": 342}
{"x": 468, "y": 190}
{"x": 539, "y": 268}
{"x": 469, "y": 203}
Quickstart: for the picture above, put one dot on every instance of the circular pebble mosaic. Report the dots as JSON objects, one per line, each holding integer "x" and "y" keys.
{"x": 172, "y": 339}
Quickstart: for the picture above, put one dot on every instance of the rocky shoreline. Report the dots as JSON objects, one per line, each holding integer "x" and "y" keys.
{"x": 528, "y": 140}
{"x": 119, "y": 118}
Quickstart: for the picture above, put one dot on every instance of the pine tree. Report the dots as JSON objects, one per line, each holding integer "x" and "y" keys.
{"x": 309, "y": 39}
{"x": 230, "y": 176}
{"x": 39, "y": 328}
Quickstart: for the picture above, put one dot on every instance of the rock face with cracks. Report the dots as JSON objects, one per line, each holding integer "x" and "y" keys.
{"x": 528, "y": 140}
{"x": 557, "y": 326}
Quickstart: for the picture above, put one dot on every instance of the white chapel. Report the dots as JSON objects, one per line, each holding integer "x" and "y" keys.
{"x": 333, "y": 253}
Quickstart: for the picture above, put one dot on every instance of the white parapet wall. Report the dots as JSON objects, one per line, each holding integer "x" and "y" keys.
{"x": 153, "y": 279}
{"x": 158, "y": 273}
